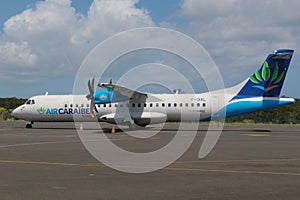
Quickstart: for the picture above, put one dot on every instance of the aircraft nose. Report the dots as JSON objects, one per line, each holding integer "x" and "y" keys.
{"x": 16, "y": 112}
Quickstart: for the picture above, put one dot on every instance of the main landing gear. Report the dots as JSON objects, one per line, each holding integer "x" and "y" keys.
{"x": 29, "y": 124}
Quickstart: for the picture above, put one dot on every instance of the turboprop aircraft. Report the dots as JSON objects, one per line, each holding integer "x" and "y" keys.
{"x": 119, "y": 105}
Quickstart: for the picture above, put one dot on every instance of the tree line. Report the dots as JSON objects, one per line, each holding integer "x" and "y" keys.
{"x": 7, "y": 105}
{"x": 282, "y": 115}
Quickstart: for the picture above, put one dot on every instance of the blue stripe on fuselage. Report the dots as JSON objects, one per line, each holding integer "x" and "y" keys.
{"x": 244, "y": 106}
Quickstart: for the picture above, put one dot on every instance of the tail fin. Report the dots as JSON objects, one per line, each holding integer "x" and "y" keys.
{"x": 268, "y": 80}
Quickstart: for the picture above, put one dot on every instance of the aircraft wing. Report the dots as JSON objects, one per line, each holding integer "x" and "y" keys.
{"x": 121, "y": 93}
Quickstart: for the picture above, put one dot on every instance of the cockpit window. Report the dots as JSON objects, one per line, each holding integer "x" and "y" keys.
{"x": 30, "y": 102}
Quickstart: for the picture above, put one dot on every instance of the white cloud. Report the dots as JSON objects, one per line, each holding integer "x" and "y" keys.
{"x": 53, "y": 39}
{"x": 238, "y": 34}
{"x": 47, "y": 20}
{"x": 105, "y": 18}
{"x": 17, "y": 54}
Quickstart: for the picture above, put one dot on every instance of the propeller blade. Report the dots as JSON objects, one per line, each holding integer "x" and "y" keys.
{"x": 92, "y": 106}
{"x": 93, "y": 84}
{"x": 90, "y": 96}
{"x": 89, "y": 85}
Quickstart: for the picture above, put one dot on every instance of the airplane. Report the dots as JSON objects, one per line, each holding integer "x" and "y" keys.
{"x": 119, "y": 105}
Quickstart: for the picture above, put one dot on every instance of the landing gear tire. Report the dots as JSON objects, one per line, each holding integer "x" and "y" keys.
{"x": 28, "y": 125}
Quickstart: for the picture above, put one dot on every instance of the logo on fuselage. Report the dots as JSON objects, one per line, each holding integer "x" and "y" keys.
{"x": 261, "y": 78}
{"x": 103, "y": 97}
{"x": 41, "y": 110}
{"x": 63, "y": 111}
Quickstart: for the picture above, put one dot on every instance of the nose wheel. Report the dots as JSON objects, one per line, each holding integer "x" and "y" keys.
{"x": 29, "y": 124}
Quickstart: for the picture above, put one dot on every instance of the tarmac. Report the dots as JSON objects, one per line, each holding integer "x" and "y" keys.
{"x": 248, "y": 162}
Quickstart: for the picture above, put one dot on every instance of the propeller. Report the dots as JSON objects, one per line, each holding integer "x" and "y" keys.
{"x": 90, "y": 96}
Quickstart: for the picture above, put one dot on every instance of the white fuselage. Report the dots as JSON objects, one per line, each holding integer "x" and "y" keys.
{"x": 64, "y": 108}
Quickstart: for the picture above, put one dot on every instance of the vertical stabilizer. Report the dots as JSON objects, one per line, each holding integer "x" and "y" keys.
{"x": 268, "y": 80}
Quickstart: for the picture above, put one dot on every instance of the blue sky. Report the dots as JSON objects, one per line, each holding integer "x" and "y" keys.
{"x": 44, "y": 42}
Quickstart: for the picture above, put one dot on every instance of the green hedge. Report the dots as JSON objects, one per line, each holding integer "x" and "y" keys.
{"x": 7, "y": 105}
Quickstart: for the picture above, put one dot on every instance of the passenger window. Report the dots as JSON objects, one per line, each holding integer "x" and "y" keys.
{"x": 121, "y": 105}
{"x": 104, "y": 105}
{"x": 186, "y": 105}
{"x": 66, "y": 105}
{"x": 139, "y": 105}
{"x": 32, "y": 101}
{"x": 82, "y": 105}
{"x": 109, "y": 105}
{"x": 175, "y": 104}
{"x": 198, "y": 104}
{"x": 28, "y": 101}
{"x": 180, "y": 105}
{"x": 87, "y": 105}
{"x": 204, "y": 104}
{"x": 77, "y": 105}
{"x": 133, "y": 105}
{"x": 151, "y": 105}
{"x": 71, "y": 105}
{"x": 192, "y": 104}
{"x": 163, "y": 104}
{"x": 157, "y": 104}
{"x": 98, "y": 105}
{"x": 145, "y": 105}
{"x": 169, "y": 104}
{"x": 116, "y": 105}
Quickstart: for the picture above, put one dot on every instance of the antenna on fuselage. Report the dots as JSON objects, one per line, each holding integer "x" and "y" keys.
{"x": 177, "y": 91}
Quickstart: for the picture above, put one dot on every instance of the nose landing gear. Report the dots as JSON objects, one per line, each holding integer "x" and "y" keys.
{"x": 29, "y": 124}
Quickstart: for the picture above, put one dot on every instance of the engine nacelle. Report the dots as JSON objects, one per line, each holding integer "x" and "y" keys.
{"x": 103, "y": 96}
{"x": 144, "y": 119}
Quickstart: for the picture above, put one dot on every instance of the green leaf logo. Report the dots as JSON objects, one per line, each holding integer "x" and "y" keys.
{"x": 257, "y": 75}
{"x": 252, "y": 78}
{"x": 275, "y": 73}
{"x": 266, "y": 76}
{"x": 41, "y": 110}
{"x": 280, "y": 76}
{"x": 266, "y": 72}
